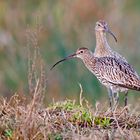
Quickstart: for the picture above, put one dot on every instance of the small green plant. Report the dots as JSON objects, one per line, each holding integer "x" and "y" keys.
{"x": 67, "y": 105}
{"x": 8, "y": 133}
{"x": 103, "y": 122}
{"x": 55, "y": 136}
{"x": 82, "y": 116}
{"x": 58, "y": 137}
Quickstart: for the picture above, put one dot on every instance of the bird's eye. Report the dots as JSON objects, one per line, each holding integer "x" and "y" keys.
{"x": 99, "y": 25}
{"x": 81, "y": 51}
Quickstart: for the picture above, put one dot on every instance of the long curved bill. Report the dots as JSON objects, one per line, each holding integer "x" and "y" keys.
{"x": 112, "y": 34}
{"x": 66, "y": 58}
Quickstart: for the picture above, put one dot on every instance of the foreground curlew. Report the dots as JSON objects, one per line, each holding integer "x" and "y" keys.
{"x": 104, "y": 50}
{"x": 111, "y": 72}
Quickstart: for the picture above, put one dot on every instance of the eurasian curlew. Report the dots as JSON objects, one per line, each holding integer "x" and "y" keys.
{"x": 111, "y": 72}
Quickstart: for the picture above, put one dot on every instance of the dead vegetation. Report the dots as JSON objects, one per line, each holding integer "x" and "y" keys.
{"x": 64, "y": 120}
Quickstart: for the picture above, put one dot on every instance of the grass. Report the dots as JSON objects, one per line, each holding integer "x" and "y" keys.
{"x": 22, "y": 119}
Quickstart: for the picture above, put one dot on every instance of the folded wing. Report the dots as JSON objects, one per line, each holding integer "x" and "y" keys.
{"x": 118, "y": 72}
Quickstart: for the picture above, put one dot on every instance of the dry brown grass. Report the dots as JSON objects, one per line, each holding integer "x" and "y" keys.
{"x": 21, "y": 119}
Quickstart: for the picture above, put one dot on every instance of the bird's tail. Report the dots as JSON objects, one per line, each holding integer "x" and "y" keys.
{"x": 132, "y": 87}
{"x": 128, "y": 86}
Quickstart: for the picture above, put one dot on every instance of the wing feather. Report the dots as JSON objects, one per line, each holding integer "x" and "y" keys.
{"x": 118, "y": 72}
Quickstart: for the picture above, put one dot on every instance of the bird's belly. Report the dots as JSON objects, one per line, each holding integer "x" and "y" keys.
{"x": 114, "y": 88}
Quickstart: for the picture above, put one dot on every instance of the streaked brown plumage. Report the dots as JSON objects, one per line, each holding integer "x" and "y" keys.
{"x": 111, "y": 72}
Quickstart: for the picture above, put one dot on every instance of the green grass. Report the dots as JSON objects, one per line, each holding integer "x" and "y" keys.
{"x": 79, "y": 114}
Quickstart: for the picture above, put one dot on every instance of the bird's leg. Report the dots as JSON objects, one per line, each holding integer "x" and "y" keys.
{"x": 116, "y": 98}
{"x": 110, "y": 95}
{"x": 126, "y": 98}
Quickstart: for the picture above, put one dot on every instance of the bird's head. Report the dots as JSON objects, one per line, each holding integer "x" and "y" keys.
{"x": 80, "y": 53}
{"x": 101, "y": 26}
{"x": 83, "y": 52}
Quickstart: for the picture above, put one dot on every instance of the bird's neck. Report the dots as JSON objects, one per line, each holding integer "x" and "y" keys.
{"x": 102, "y": 46}
{"x": 89, "y": 60}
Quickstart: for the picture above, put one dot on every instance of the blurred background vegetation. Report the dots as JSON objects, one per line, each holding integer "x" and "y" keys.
{"x": 65, "y": 26}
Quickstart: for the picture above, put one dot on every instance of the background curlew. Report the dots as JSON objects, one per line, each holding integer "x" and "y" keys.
{"x": 111, "y": 72}
{"x": 104, "y": 50}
